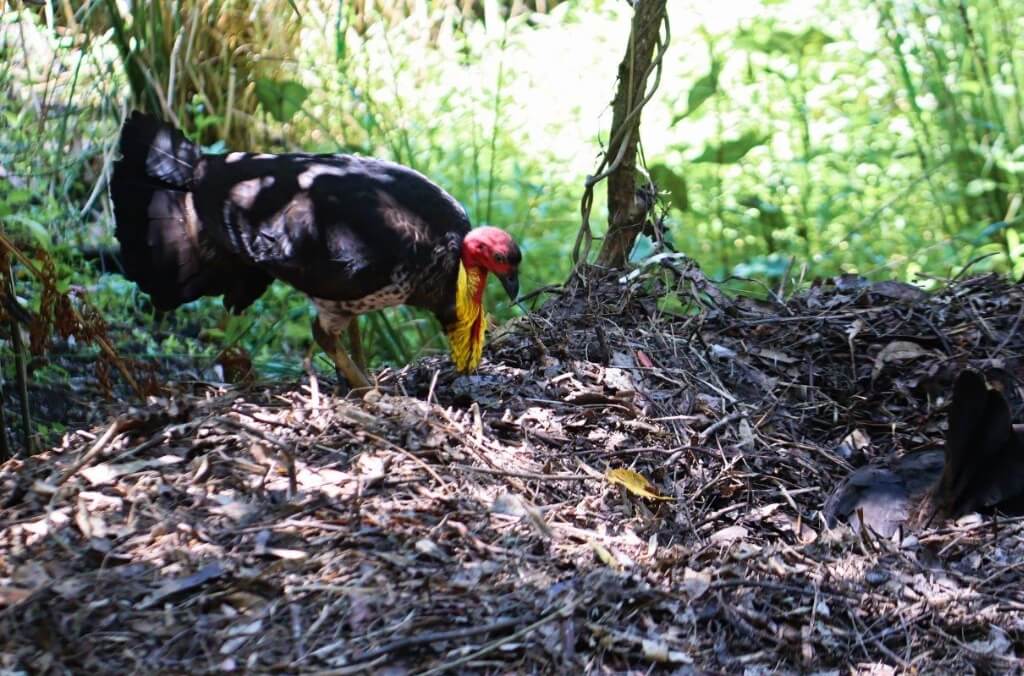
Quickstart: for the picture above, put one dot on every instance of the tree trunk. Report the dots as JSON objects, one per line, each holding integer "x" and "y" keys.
{"x": 626, "y": 213}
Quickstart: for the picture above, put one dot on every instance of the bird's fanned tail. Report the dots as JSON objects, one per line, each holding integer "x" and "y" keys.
{"x": 164, "y": 247}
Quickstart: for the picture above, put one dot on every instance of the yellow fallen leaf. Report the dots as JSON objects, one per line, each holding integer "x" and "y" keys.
{"x": 635, "y": 483}
{"x": 606, "y": 557}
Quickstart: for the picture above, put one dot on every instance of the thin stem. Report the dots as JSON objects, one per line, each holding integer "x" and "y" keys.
{"x": 20, "y": 372}
{"x": 499, "y": 86}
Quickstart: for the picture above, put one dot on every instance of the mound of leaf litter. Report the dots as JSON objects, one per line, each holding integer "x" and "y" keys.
{"x": 478, "y": 523}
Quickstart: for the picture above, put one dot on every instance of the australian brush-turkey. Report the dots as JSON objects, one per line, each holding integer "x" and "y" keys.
{"x": 981, "y": 468}
{"x": 354, "y": 234}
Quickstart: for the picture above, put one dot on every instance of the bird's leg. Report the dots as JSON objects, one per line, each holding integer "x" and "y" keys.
{"x": 342, "y": 362}
{"x": 307, "y": 362}
{"x": 355, "y": 342}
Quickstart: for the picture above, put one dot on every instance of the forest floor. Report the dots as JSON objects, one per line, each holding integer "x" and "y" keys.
{"x": 470, "y": 523}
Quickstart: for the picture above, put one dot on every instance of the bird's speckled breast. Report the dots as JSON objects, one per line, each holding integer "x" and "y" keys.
{"x": 335, "y": 314}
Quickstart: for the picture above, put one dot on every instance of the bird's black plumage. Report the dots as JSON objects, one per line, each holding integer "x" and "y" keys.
{"x": 355, "y": 233}
{"x": 980, "y": 468}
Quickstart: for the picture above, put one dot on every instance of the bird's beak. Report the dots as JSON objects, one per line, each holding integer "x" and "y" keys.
{"x": 511, "y": 283}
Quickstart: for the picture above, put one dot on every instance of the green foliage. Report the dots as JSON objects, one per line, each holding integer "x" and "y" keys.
{"x": 673, "y": 183}
{"x": 884, "y": 139}
{"x": 732, "y": 151}
{"x": 211, "y": 60}
{"x": 282, "y": 99}
{"x": 702, "y": 90}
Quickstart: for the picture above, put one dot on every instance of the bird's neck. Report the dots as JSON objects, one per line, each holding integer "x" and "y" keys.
{"x": 466, "y": 338}
{"x": 471, "y": 284}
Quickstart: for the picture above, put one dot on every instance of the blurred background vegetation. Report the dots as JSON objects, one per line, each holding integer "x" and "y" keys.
{"x": 789, "y": 138}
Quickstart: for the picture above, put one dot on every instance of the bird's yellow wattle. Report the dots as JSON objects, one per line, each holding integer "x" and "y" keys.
{"x": 466, "y": 338}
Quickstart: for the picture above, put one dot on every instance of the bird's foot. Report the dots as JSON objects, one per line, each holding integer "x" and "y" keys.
{"x": 357, "y": 382}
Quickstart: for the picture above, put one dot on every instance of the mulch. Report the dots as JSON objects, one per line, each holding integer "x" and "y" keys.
{"x": 469, "y": 523}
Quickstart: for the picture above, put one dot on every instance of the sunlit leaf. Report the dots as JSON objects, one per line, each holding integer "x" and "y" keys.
{"x": 635, "y": 483}
{"x": 772, "y": 266}
{"x": 281, "y": 98}
{"x": 813, "y": 40}
{"x": 732, "y": 151}
{"x": 769, "y": 215}
{"x": 605, "y": 556}
{"x": 702, "y": 90}
{"x": 34, "y": 228}
{"x": 980, "y": 186}
{"x": 674, "y": 183}
{"x": 971, "y": 87}
{"x": 763, "y": 38}
{"x": 18, "y": 196}
{"x": 673, "y": 305}
{"x": 1013, "y": 241}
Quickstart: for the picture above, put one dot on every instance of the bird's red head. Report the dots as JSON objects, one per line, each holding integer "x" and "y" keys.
{"x": 493, "y": 250}
{"x": 484, "y": 250}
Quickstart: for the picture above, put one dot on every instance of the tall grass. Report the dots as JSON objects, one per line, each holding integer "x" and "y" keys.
{"x": 884, "y": 139}
{"x": 962, "y": 90}
{"x": 197, "y": 62}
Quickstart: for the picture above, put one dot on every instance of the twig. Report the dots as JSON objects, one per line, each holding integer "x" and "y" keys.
{"x": 525, "y": 475}
{"x": 715, "y": 426}
{"x": 436, "y": 636}
{"x": 115, "y": 428}
{"x": 20, "y": 372}
{"x": 287, "y": 450}
{"x": 105, "y": 346}
{"x": 561, "y": 612}
{"x": 5, "y": 449}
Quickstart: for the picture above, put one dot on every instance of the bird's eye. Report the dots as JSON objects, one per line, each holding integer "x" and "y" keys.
{"x": 499, "y": 258}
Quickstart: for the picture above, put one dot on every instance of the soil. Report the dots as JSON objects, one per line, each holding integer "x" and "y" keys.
{"x": 483, "y": 523}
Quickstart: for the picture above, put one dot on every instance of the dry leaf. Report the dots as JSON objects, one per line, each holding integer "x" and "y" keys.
{"x": 606, "y": 557}
{"x": 429, "y": 548}
{"x": 695, "y": 583}
{"x": 897, "y": 351}
{"x": 183, "y": 584}
{"x": 900, "y": 291}
{"x": 659, "y": 651}
{"x": 10, "y": 596}
{"x": 854, "y": 442}
{"x": 996, "y": 645}
{"x": 747, "y": 441}
{"x": 635, "y": 483}
{"x": 509, "y": 505}
{"x": 106, "y": 473}
{"x": 729, "y": 535}
{"x": 774, "y": 357}
{"x": 287, "y": 554}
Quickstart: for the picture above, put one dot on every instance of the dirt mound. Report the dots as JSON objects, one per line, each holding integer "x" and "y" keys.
{"x": 471, "y": 523}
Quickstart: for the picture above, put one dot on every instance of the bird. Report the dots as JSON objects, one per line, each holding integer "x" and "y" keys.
{"x": 355, "y": 234}
{"x": 980, "y": 468}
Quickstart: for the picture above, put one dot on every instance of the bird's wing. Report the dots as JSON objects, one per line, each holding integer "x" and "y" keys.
{"x": 878, "y": 495}
{"x": 335, "y": 227}
{"x": 882, "y": 497}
